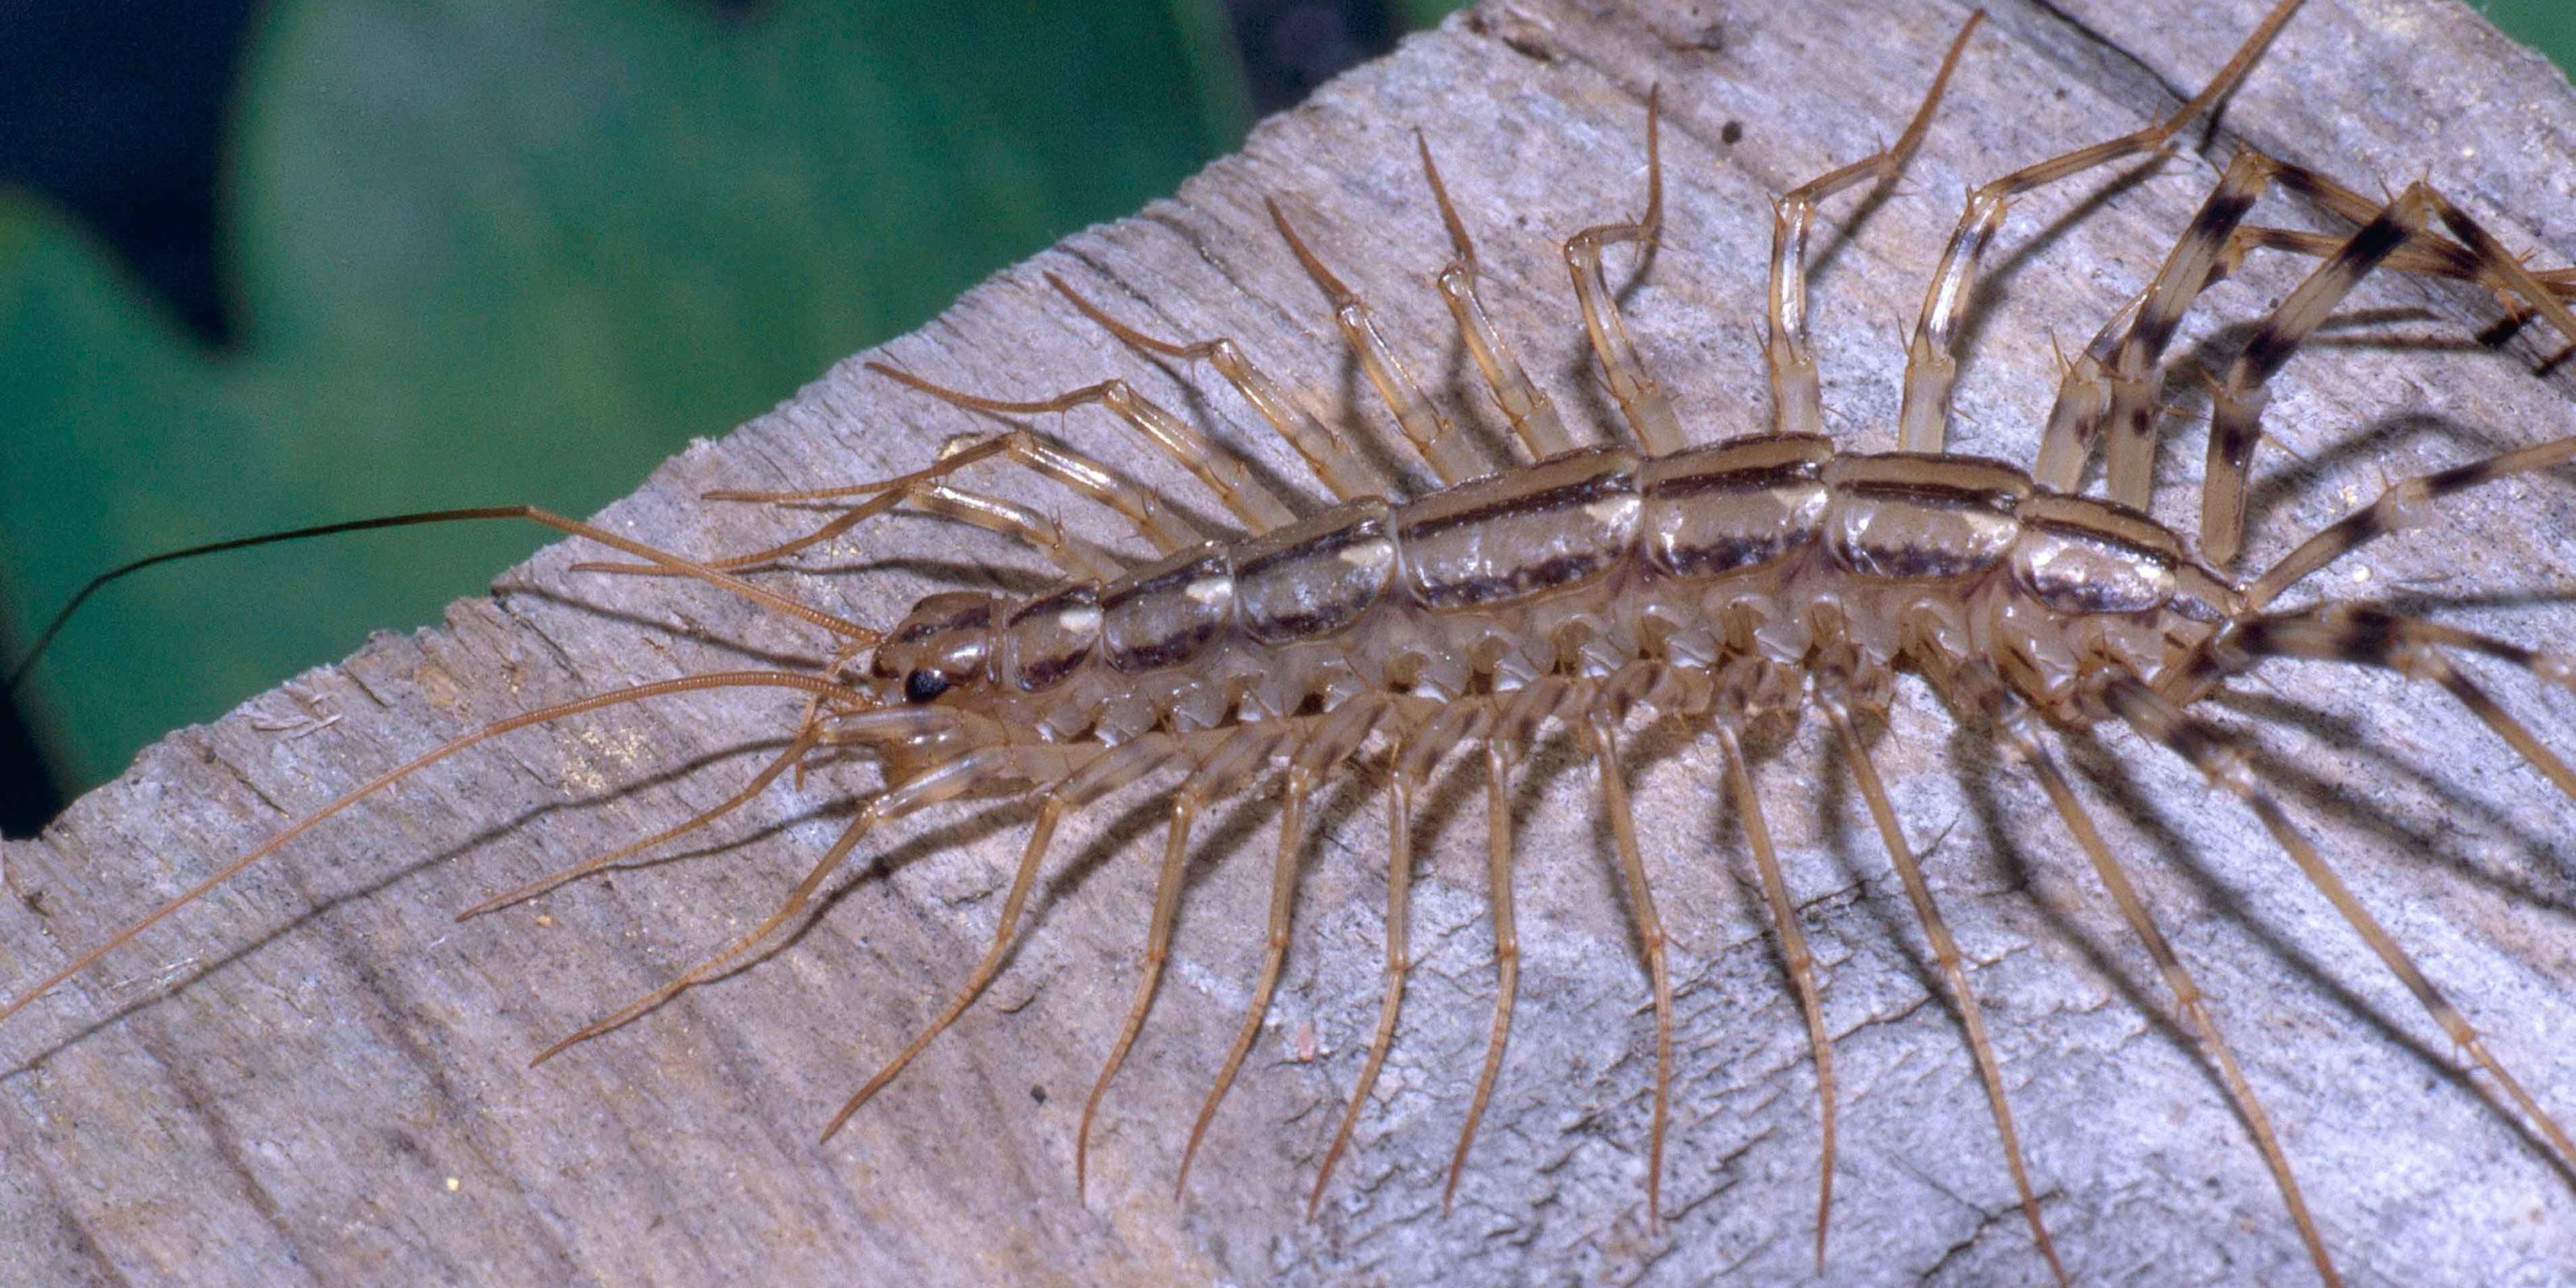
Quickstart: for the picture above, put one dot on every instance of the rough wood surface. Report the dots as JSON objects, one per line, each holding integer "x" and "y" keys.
{"x": 316, "y": 1076}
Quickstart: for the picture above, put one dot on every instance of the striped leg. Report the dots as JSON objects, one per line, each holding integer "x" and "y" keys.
{"x": 1931, "y": 361}
{"x": 1974, "y": 687}
{"x": 2223, "y": 758}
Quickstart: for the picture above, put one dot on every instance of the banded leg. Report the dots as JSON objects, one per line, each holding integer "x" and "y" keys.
{"x": 1945, "y": 952}
{"x": 1112, "y": 770}
{"x": 1224, "y": 473}
{"x": 1931, "y": 361}
{"x": 2375, "y": 637}
{"x": 2136, "y": 373}
{"x": 2223, "y": 758}
{"x": 1643, "y": 401}
{"x": 1797, "y": 399}
{"x": 1600, "y": 738}
{"x": 1793, "y": 952}
{"x": 1334, "y": 465}
{"x": 1531, "y": 411}
{"x": 2401, "y": 506}
{"x": 965, "y": 774}
{"x": 1974, "y": 687}
{"x": 1337, "y": 740}
{"x": 1240, "y": 755}
{"x": 2238, "y": 404}
{"x": 1434, "y": 437}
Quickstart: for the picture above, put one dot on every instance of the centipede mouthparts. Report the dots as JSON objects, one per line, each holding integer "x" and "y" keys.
{"x": 1743, "y": 795}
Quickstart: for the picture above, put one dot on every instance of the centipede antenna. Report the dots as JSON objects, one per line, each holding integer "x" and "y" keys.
{"x": 615, "y": 697}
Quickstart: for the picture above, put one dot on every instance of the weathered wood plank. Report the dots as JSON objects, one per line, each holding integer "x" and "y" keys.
{"x": 316, "y": 1075}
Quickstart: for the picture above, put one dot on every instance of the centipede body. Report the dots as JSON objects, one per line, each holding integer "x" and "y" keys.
{"x": 2116, "y": 1112}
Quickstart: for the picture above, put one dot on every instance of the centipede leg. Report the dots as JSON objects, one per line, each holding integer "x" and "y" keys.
{"x": 1931, "y": 365}
{"x": 1801, "y": 963}
{"x": 1331, "y": 460}
{"x": 1797, "y": 400}
{"x": 1233, "y": 759}
{"x": 804, "y": 741}
{"x": 1974, "y": 687}
{"x": 1223, "y": 472}
{"x": 1600, "y": 736}
{"x": 1643, "y": 401}
{"x": 929, "y": 489}
{"x": 1435, "y": 438}
{"x": 1114, "y": 769}
{"x": 1531, "y": 412}
{"x": 809, "y": 684}
{"x": 2409, "y": 646}
{"x": 1499, "y": 761}
{"x": 2223, "y": 759}
{"x": 1339, "y": 735}
{"x": 1945, "y": 952}
{"x": 1399, "y": 881}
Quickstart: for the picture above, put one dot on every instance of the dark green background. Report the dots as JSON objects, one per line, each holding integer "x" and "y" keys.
{"x": 486, "y": 252}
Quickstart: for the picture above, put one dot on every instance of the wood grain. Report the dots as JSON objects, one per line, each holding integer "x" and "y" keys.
{"x": 317, "y": 1076}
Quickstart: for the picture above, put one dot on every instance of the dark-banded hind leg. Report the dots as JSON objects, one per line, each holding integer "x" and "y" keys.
{"x": 2237, "y": 404}
{"x": 1334, "y": 465}
{"x": 2222, "y": 757}
{"x": 1931, "y": 360}
{"x": 1797, "y": 397}
{"x": 1337, "y": 738}
{"x": 1643, "y": 401}
{"x": 1973, "y": 687}
{"x": 1945, "y": 953}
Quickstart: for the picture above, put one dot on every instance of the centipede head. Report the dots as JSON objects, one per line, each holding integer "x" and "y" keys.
{"x": 924, "y": 677}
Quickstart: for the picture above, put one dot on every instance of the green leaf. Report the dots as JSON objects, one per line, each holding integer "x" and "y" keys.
{"x": 492, "y": 252}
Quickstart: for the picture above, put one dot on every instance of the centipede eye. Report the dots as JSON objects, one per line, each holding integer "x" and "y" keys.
{"x": 924, "y": 686}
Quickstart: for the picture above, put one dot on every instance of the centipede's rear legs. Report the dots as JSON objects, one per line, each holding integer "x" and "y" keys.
{"x": 1971, "y": 687}
{"x": 1797, "y": 400}
{"x": 1931, "y": 363}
